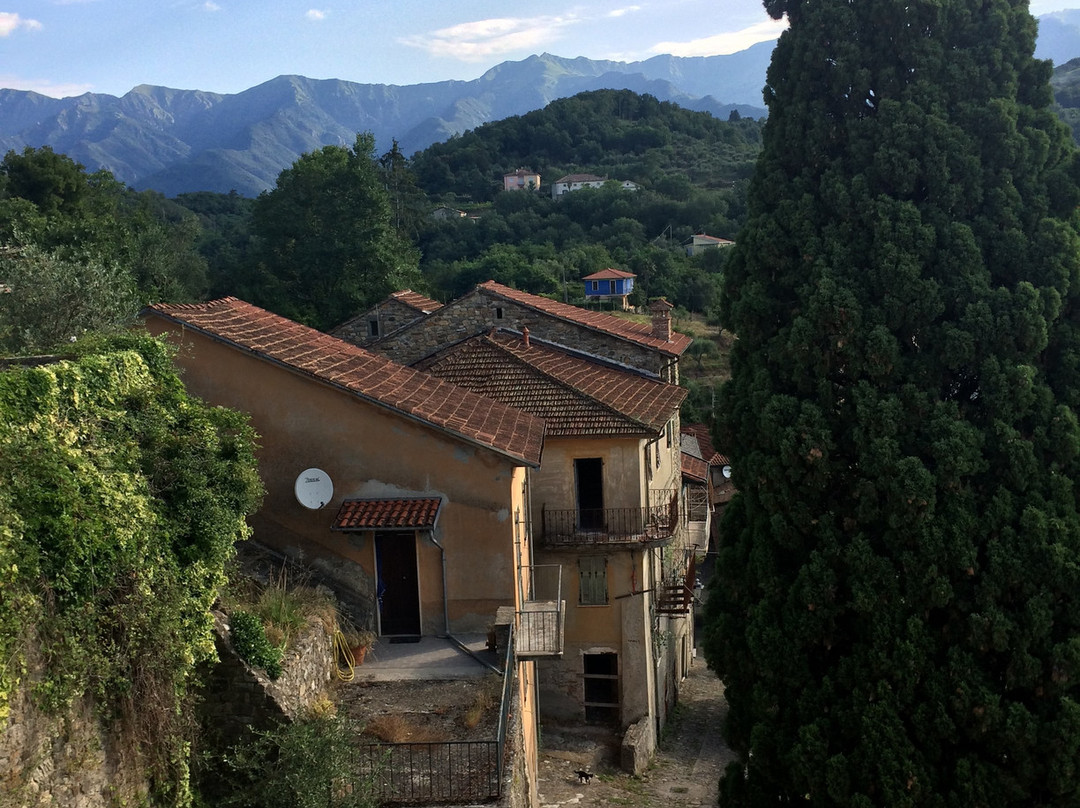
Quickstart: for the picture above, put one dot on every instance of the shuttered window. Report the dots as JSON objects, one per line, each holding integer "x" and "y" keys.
{"x": 592, "y": 571}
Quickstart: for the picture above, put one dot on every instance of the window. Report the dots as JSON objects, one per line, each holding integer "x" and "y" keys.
{"x": 669, "y": 429}
{"x": 498, "y": 312}
{"x": 596, "y": 286}
{"x": 601, "y": 675}
{"x": 648, "y": 461}
{"x": 373, "y": 328}
{"x": 592, "y": 573}
{"x": 658, "y": 454}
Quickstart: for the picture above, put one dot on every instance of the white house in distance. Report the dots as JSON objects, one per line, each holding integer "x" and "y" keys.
{"x": 575, "y": 182}
{"x": 523, "y": 179}
{"x": 700, "y": 242}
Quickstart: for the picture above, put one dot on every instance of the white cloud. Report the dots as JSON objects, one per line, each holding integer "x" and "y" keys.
{"x": 10, "y": 21}
{"x": 621, "y": 12}
{"x": 44, "y": 86}
{"x": 482, "y": 39}
{"x": 210, "y": 5}
{"x": 728, "y": 42}
{"x": 315, "y": 14}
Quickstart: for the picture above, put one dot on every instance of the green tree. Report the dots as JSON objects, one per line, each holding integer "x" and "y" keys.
{"x": 328, "y": 247}
{"x": 896, "y": 614}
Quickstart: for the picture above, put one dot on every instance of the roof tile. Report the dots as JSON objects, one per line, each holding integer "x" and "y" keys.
{"x": 640, "y": 333}
{"x": 439, "y": 403}
{"x": 387, "y": 514}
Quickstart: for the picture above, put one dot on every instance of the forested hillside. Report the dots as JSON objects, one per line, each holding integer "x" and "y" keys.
{"x": 690, "y": 167}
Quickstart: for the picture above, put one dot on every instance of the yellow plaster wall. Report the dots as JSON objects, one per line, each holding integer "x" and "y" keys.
{"x": 368, "y": 452}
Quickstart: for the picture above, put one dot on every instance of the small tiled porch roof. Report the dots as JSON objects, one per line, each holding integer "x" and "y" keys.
{"x": 370, "y": 377}
{"x": 700, "y": 432}
{"x": 387, "y": 514}
{"x": 639, "y": 333}
{"x": 575, "y": 396}
{"x": 694, "y": 468}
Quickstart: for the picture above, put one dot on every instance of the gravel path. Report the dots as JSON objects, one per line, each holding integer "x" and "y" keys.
{"x": 685, "y": 772}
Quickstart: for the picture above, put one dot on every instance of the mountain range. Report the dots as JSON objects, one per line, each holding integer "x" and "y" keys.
{"x": 188, "y": 140}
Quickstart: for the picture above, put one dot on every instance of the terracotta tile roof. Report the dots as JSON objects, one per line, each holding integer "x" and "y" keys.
{"x": 581, "y": 178}
{"x": 605, "y": 274}
{"x": 640, "y": 333}
{"x": 374, "y": 378}
{"x": 700, "y": 432}
{"x": 575, "y": 396}
{"x": 387, "y": 514}
{"x": 695, "y": 468}
{"x": 417, "y": 301}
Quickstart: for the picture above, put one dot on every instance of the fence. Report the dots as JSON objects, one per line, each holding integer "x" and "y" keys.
{"x": 446, "y": 772}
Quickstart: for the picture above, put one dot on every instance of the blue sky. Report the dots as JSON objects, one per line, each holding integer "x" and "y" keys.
{"x": 68, "y": 47}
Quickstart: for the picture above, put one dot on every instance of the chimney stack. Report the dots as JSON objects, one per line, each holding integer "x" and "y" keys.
{"x": 525, "y": 336}
{"x": 660, "y": 310}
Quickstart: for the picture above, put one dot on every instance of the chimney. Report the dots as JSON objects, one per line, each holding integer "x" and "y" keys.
{"x": 525, "y": 336}
{"x": 660, "y": 310}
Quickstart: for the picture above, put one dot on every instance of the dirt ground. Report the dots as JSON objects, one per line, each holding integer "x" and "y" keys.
{"x": 399, "y": 712}
{"x": 685, "y": 772}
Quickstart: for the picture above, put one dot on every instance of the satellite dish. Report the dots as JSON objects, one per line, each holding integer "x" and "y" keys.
{"x": 726, "y": 471}
{"x": 313, "y": 488}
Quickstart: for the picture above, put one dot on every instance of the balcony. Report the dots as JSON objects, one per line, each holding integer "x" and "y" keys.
{"x": 675, "y": 595}
{"x": 539, "y": 623}
{"x": 612, "y": 526}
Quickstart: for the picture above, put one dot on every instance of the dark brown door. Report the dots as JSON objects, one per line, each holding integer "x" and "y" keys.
{"x": 399, "y": 590}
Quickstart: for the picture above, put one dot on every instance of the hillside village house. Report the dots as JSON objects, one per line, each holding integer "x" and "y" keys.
{"x": 396, "y": 311}
{"x": 521, "y": 180}
{"x": 700, "y": 242}
{"x": 606, "y": 504}
{"x": 429, "y": 480}
{"x": 650, "y": 348}
{"x": 575, "y": 182}
{"x": 610, "y": 284}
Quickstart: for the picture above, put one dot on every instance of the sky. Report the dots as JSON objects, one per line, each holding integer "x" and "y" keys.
{"x": 69, "y": 47}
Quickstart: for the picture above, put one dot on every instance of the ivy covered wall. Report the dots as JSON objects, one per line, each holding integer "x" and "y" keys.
{"x": 120, "y": 500}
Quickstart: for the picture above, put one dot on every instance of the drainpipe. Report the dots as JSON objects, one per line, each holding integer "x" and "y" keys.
{"x": 446, "y": 613}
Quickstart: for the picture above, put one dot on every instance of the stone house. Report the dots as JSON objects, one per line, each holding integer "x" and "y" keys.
{"x": 395, "y": 484}
{"x": 396, "y": 311}
{"x": 607, "y": 504}
{"x": 650, "y": 348}
{"x": 700, "y": 242}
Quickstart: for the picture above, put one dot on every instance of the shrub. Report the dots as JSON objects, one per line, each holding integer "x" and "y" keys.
{"x": 251, "y": 645}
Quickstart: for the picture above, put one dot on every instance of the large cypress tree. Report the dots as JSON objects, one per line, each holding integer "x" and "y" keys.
{"x": 896, "y": 615}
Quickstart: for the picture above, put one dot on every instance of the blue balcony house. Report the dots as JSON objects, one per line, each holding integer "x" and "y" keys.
{"x": 610, "y": 284}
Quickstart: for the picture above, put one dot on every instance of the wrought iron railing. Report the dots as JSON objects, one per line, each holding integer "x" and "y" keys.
{"x": 445, "y": 773}
{"x": 657, "y": 522}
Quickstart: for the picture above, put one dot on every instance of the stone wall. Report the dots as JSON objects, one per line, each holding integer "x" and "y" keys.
{"x": 72, "y": 760}
{"x": 478, "y": 312}
{"x": 391, "y": 315}
{"x": 239, "y": 698}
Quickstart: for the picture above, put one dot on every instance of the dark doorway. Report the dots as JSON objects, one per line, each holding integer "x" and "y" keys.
{"x": 399, "y": 589}
{"x": 601, "y": 676}
{"x": 589, "y": 479}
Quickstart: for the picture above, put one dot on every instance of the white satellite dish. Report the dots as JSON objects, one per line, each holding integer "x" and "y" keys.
{"x": 313, "y": 488}
{"x": 726, "y": 471}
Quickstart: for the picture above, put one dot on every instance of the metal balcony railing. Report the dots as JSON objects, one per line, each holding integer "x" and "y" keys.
{"x": 541, "y": 618}
{"x": 592, "y": 526}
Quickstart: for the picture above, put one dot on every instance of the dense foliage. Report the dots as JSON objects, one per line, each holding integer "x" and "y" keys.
{"x": 897, "y": 611}
{"x": 326, "y": 246}
{"x": 614, "y": 133}
{"x": 79, "y": 252}
{"x": 121, "y": 501}
{"x": 309, "y": 763}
